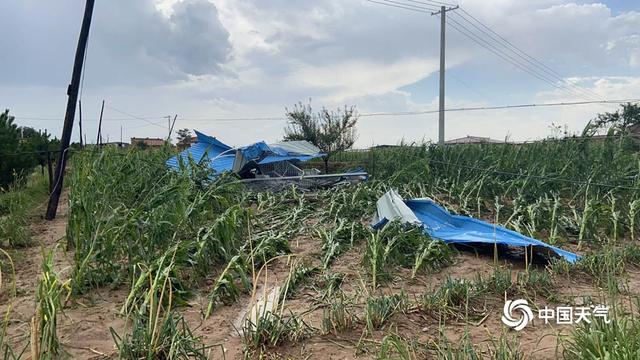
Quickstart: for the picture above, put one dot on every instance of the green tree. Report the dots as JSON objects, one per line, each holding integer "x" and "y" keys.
{"x": 11, "y": 161}
{"x": 37, "y": 143}
{"x": 184, "y": 138}
{"x": 331, "y": 131}
{"x": 21, "y": 149}
{"x": 621, "y": 121}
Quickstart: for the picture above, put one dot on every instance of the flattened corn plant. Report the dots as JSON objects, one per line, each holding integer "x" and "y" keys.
{"x": 157, "y": 331}
{"x": 129, "y": 215}
{"x": 51, "y": 294}
{"x": 127, "y": 209}
{"x": 397, "y": 244}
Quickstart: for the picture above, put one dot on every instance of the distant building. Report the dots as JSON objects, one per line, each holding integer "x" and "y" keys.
{"x": 148, "y": 142}
{"x": 473, "y": 140}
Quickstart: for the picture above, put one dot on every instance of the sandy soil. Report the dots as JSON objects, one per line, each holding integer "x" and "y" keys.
{"x": 83, "y": 328}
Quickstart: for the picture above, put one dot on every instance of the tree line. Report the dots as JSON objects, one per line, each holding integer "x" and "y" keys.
{"x": 22, "y": 149}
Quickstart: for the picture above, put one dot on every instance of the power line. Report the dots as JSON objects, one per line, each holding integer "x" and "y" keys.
{"x": 478, "y": 108}
{"x": 485, "y": 44}
{"x": 467, "y": 85}
{"x": 475, "y": 38}
{"x": 518, "y": 106}
{"x": 528, "y": 58}
{"x": 437, "y": 4}
{"x": 134, "y": 117}
{"x": 406, "y": 7}
{"x": 508, "y": 58}
{"x": 499, "y": 39}
{"x": 431, "y": 8}
{"x": 85, "y": 119}
{"x": 532, "y": 58}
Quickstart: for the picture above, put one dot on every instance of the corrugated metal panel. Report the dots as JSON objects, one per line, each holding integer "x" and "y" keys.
{"x": 211, "y": 140}
{"x": 295, "y": 148}
{"x": 206, "y": 148}
{"x": 223, "y": 163}
{"x": 272, "y": 159}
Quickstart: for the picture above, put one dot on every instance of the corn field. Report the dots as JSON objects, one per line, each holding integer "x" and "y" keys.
{"x": 178, "y": 240}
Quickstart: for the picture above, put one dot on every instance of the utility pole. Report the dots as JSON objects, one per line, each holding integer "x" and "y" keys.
{"x": 80, "y": 121}
{"x": 443, "y": 23}
{"x": 99, "y": 137}
{"x": 67, "y": 129}
{"x": 171, "y": 128}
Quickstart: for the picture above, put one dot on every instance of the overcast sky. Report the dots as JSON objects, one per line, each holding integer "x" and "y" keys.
{"x": 219, "y": 59}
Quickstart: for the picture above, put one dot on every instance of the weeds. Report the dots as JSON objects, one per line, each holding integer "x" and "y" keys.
{"x": 338, "y": 316}
{"x": 455, "y": 298}
{"x": 271, "y": 330}
{"x": 298, "y": 274}
{"x": 501, "y": 348}
{"x": 379, "y": 309}
{"x": 394, "y": 346}
{"x": 619, "y": 339}
{"x": 16, "y": 205}
{"x": 330, "y": 285}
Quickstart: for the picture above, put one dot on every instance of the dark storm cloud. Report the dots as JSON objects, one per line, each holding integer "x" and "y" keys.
{"x": 131, "y": 42}
{"x": 199, "y": 43}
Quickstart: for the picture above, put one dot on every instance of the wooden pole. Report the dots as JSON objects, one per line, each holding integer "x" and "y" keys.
{"x": 80, "y": 121}
{"x": 67, "y": 129}
{"x": 99, "y": 138}
{"x": 171, "y": 128}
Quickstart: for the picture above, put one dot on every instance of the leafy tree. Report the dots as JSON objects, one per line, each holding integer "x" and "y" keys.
{"x": 184, "y": 138}
{"x": 11, "y": 161}
{"x": 621, "y": 121}
{"x": 331, "y": 131}
{"x": 21, "y": 149}
{"x": 37, "y": 143}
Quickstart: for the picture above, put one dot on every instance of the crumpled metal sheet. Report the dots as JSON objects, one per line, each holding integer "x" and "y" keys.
{"x": 439, "y": 223}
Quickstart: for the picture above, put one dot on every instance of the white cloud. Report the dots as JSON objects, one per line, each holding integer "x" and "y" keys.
{"x": 248, "y": 58}
{"x": 360, "y": 78}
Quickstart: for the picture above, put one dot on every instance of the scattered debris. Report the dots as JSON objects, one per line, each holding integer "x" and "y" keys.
{"x": 264, "y": 166}
{"x": 440, "y": 224}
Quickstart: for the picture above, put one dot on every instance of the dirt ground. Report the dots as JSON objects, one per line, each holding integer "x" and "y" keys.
{"x": 84, "y": 327}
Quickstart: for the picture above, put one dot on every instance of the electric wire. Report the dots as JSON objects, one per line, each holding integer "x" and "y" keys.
{"x": 421, "y": 112}
{"x": 489, "y": 46}
{"x": 496, "y": 37}
{"x": 133, "y": 116}
{"x": 530, "y": 60}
